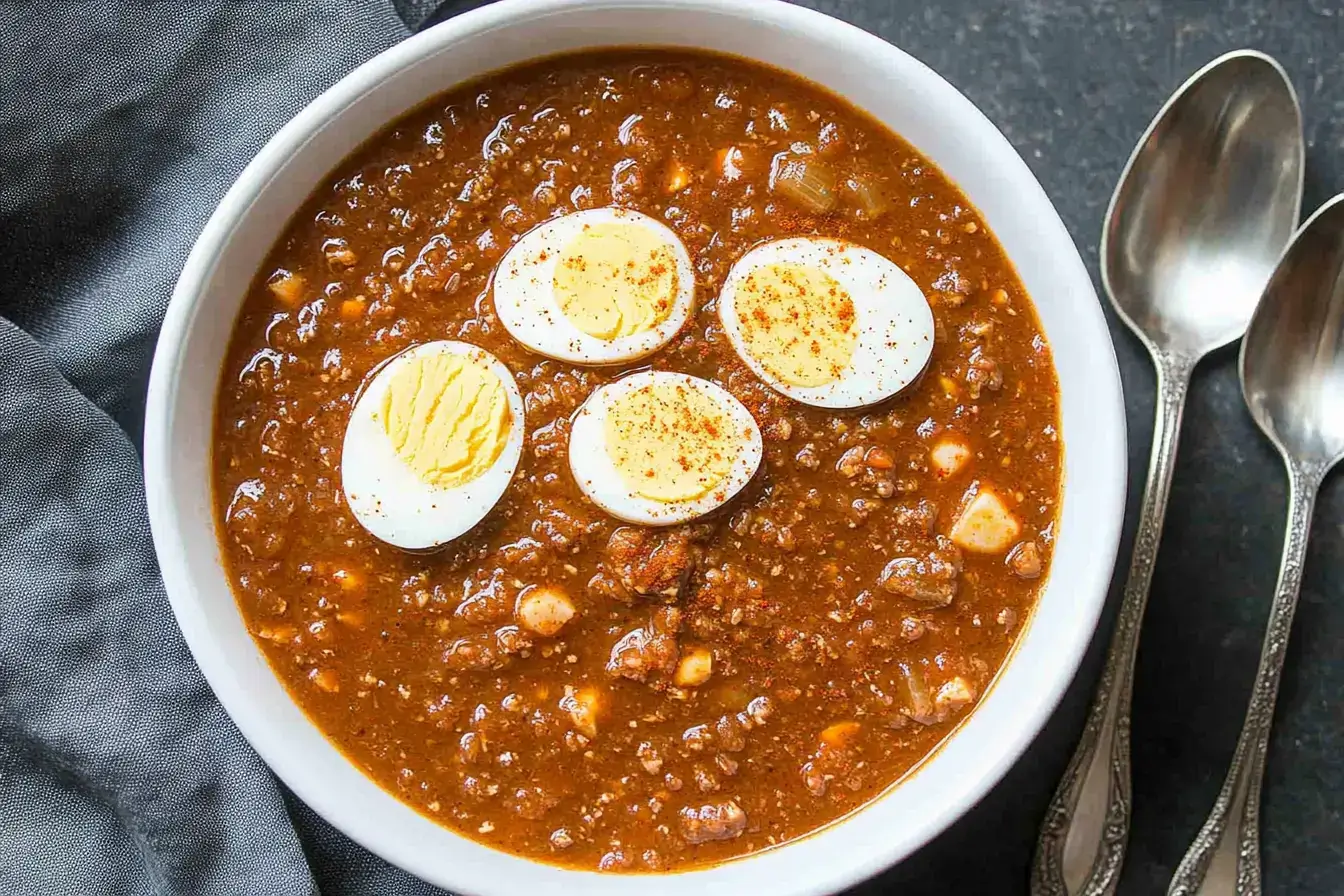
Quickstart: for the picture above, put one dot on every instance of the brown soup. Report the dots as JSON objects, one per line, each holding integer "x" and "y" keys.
{"x": 723, "y": 685}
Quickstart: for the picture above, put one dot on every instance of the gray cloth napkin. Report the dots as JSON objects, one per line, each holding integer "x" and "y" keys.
{"x": 121, "y": 126}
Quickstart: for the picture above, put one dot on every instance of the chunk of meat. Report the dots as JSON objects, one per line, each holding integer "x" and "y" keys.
{"x": 985, "y": 525}
{"x": 982, "y": 372}
{"x": 474, "y": 653}
{"x": 1025, "y": 560}
{"x": 920, "y": 516}
{"x": 931, "y": 578}
{"x": 833, "y": 758}
{"x": 712, "y": 821}
{"x": 650, "y": 653}
{"x": 486, "y": 651}
{"x": 650, "y": 562}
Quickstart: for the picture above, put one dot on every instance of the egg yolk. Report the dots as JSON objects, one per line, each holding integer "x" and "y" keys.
{"x": 447, "y": 417}
{"x": 670, "y": 442}
{"x": 798, "y": 321}
{"x": 615, "y": 280}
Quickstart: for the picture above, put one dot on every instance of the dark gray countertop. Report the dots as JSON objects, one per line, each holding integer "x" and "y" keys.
{"x": 1072, "y": 84}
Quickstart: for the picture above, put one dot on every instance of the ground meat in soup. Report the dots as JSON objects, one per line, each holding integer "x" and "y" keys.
{"x": 565, "y": 686}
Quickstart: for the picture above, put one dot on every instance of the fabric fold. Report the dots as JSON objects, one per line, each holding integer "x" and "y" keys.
{"x": 119, "y": 771}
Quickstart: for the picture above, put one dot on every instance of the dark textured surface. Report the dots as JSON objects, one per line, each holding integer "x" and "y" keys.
{"x": 1072, "y": 85}
{"x": 1071, "y": 82}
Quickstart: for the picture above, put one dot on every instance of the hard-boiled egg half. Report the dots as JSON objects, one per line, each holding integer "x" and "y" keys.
{"x": 432, "y": 443}
{"x": 599, "y": 286}
{"x": 826, "y": 322}
{"x": 659, "y": 448}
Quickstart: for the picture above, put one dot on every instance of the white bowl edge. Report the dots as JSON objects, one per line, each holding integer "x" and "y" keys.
{"x": 874, "y": 76}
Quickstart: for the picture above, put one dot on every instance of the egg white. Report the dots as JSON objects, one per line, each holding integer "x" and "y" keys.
{"x": 894, "y": 320}
{"x": 525, "y": 297}
{"x": 387, "y": 497}
{"x": 599, "y": 479}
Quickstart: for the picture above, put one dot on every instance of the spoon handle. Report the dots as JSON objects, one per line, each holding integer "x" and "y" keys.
{"x": 1225, "y": 858}
{"x": 1082, "y": 841}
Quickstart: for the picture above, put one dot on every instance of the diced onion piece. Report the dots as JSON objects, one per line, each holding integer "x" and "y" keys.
{"x": 544, "y": 610}
{"x": 985, "y": 525}
{"x": 805, "y": 181}
{"x": 869, "y": 199}
{"x": 694, "y": 669}
{"x": 948, "y": 457}
{"x": 918, "y": 701}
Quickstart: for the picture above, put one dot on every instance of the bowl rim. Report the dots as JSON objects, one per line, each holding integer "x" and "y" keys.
{"x": 257, "y": 176}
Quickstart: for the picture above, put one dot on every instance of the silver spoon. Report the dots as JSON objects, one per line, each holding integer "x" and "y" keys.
{"x": 1292, "y": 374}
{"x": 1206, "y": 204}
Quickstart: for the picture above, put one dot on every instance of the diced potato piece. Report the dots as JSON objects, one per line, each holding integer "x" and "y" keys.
{"x": 583, "y": 706}
{"x": 694, "y": 669}
{"x": 954, "y": 695}
{"x": 839, "y": 735}
{"x": 678, "y": 177}
{"x": 286, "y": 286}
{"x": 544, "y": 610}
{"x": 948, "y": 457}
{"x": 353, "y": 309}
{"x": 985, "y": 525}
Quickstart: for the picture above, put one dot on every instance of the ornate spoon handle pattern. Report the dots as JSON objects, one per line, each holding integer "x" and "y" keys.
{"x": 1225, "y": 857}
{"x": 1082, "y": 842}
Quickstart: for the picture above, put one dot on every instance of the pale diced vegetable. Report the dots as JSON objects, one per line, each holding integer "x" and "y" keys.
{"x": 948, "y": 457}
{"x": 728, "y": 162}
{"x": 544, "y": 610}
{"x": 678, "y": 177}
{"x": 694, "y": 669}
{"x": 839, "y": 735}
{"x": 985, "y": 525}
{"x": 805, "y": 181}
{"x": 326, "y": 679}
{"x": 868, "y": 197}
{"x": 954, "y": 695}
{"x": 583, "y": 706}
{"x": 918, "y": 701}
{"x": 353, "y": 309}
{"x": 286, "y": 286}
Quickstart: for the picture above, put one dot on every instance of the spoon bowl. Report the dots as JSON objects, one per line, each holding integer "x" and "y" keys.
{"x": 1208, "y": 201}
{"x": 1203, "y": 210}
{"x": 1292, "y": 375}
{"x": 1292, "y": 363}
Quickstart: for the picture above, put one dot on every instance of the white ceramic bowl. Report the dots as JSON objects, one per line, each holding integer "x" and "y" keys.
{"x": 873, "y": 75}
